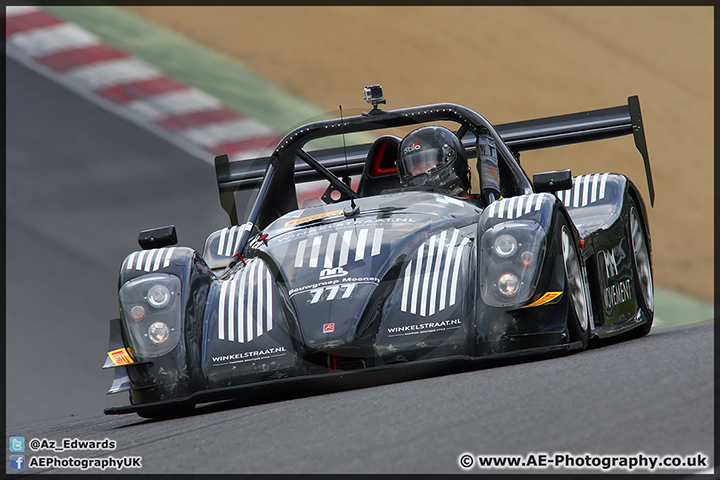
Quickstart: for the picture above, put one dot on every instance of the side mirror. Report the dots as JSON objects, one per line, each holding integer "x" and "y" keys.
{"x": 158, "y": 237}
{"x": 552, "y": 181}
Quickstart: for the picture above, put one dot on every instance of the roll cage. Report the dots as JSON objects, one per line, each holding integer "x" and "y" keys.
{"x": 277, "y": 196}
{"x": 291, "y": 163}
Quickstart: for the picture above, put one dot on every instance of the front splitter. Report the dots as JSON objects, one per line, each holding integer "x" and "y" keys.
{"x": 338, "y": 381}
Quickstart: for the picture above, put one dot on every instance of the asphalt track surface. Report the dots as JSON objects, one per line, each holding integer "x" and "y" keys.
{"x": 82, "y": 182}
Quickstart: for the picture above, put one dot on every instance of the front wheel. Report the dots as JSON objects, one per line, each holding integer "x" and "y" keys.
{"x": 576, "y": 285}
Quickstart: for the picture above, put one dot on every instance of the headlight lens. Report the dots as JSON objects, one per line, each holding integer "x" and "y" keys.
{"x": 158, "y": 296}
{"x": 158, "y": 332}
{"x": 505, "y": 245}
{"x": 527, "y": 258}
{"x": 511, "y": 259}
{"x": 137, "y": 313}
{"x": 508, "y": 284}
{"x": 152, "y": 313}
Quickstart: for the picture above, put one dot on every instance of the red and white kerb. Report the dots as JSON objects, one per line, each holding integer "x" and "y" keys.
{"x": 84, "y": 60}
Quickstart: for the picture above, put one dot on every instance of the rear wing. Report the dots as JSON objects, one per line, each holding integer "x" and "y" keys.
{"x": 581, "y": 127}
{"x": 518, "y": 136}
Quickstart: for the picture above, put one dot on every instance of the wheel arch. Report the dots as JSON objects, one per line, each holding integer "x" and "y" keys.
{"x": 637, "y": 198}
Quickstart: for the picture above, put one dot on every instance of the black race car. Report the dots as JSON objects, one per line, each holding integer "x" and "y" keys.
{"x": 383, "y": 276}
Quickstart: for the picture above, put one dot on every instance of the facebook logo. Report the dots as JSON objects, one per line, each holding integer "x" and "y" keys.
{"x": 17, "y": 462}
{"x": 17, "y": 444}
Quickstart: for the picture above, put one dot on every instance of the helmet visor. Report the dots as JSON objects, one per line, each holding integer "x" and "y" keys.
{"x": 422, "y": 160}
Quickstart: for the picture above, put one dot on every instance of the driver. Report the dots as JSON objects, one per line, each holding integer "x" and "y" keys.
{"x": 433, "y": 156}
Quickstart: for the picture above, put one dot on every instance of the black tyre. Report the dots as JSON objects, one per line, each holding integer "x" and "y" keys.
{"x": 642, "y": 269}
{"x": 579, "y": 317}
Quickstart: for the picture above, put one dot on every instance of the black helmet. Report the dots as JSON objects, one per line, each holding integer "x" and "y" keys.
{"x": 433, "y": 156}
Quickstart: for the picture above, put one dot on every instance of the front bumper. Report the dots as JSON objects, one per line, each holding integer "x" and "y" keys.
{"x": 338, "y": 381}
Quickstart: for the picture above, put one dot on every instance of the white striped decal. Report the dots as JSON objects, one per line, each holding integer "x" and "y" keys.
{"x": 269, "y": 306}
{"x": 360, "y": 247}
{"x": 377, "y": 242}
{"x": 249, "y": 301}
{"x": 315, "y": 252}
{"x": 423, "y": 272}
{"x": 519, "y": 212}
{"x": 140, "y": 258}
{"x": 515, "y": 207}
{"x": 168, "y": 256}
{"x": 593, "y": 193}
{"x": 300, "y": 253}
{"x": 491, "y": 209}
{"x": 241, "y": 310}
{"x": 501, "y": 209}
{"x": 416, "y": 280}
{"x": 330, "y": 250}
{"x": 576, "y": 194}
{"x": 325, "y": 246}
{"x": 446, "y": 270}
{"x": 426, "y": 278}
{"x": 231, "y": 312}
{"x": 438, "y": 260}
{"x": 564, "y": 196}
{"x": 245, "y": 304}
{"x": 511, "y": 207}
{"x": 149, "y": 260}
{"x": 344, "y": 248}
{"x": 456, "y": 268}
{"x": 406, "y": 286}
{"x": 586, "y": 190}
{"x": 603, "y": 180}
{"x": 261, "y": 291}
{"x": 229, "y": 239}
{"x": 158, "y": 259}
{"x": 221, "y": 309}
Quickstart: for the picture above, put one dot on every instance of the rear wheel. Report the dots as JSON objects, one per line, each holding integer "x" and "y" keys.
{"x": 642, "y": 270}
{"x": 576, "y": 286}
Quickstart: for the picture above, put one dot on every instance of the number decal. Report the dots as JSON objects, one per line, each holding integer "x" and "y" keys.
{"x": 326, "y": 294}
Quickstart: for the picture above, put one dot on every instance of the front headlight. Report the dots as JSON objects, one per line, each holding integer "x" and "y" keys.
{"x": 505, "y": 245}
{"x": 158, "y": 332}
{"x": 151, "y": 308}
{"x": 511, "y": 256}
{"x": 158, "y": 296}
{"x": 508, "y": 284}
{"x": 137, "y": 313}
